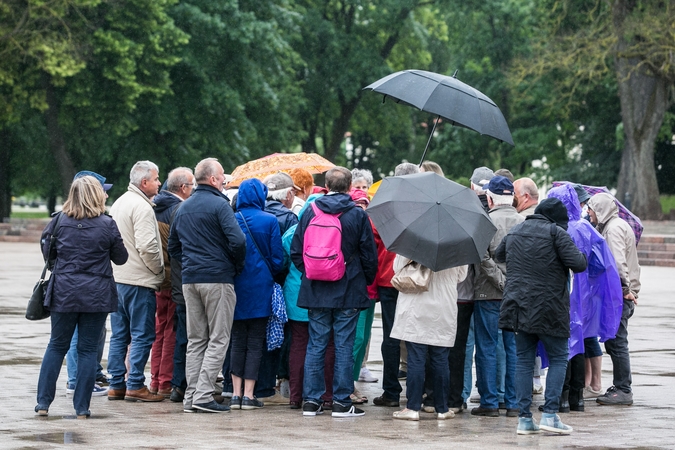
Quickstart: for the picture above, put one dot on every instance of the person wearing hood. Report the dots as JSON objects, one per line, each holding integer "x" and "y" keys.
{"x": 595, "y": 301}
{"x": 621, "y": 240}
{"x": 178, "y": 187}
{"x": 254, "y": 287}
{"x": 539, "y": 254}
{"x": 334, "y": 305}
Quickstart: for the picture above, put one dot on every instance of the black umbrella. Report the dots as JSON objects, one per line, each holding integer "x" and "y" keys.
{"x": 431, "y": 220}
{"x": 446, "y": 97}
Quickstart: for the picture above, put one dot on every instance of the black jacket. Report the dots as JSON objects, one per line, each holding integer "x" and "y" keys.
{"x": 536, "y": 296}
{"x": 358, "y": 248}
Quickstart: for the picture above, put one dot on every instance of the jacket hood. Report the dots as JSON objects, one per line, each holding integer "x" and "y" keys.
{"x": 554, "y": 210}
{"x": 252, "y": 194}
{"x": 604, "y": 206}
{"x": 165, "y": 200}
{"x": 568, "y": 196}
{"x": 335, "y": 203}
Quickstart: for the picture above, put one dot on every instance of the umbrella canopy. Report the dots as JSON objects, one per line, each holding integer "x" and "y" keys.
{"x": 446, "y": 97}
{"x": 431, "y": 220}
{"x": 280, "y": 162}
{"x": 624, "y": 213}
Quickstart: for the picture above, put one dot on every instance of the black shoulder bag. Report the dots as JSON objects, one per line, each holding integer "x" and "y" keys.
{"x": 36, "y": 305}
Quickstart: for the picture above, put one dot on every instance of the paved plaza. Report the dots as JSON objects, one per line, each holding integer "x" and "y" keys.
{"x": 649, "y": 423}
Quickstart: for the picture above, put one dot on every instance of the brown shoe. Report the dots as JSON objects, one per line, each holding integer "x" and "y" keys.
{"x": 116, "y": 394}
{"x": 142, "y": 395}
{"x": 166, "y": 393}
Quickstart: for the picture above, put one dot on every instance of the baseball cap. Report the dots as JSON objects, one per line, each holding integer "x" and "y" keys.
{"x": 279, "y": 181}
{"x": 499, "y": 185}
{"x": 481, "y": 176}
{"x": 89, "y": 173}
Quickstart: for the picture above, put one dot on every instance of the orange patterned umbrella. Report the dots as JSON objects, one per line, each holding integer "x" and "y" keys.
{"x": 280, "y": 162}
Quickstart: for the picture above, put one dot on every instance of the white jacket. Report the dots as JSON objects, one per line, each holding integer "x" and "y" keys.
{"x": 133, "y": 212}
{"x": 429, "y": 317}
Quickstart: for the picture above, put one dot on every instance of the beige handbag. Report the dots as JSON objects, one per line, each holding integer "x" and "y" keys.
{"x": 413, "y": 278}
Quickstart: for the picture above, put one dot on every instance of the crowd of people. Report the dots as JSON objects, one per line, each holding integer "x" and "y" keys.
{"x": 274, "y": 285}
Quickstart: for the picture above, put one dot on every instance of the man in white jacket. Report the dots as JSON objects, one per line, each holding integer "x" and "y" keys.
{"x": 137, "y": 281}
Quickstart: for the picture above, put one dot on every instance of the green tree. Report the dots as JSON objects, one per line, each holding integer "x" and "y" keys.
{"x": 582, "y": 42}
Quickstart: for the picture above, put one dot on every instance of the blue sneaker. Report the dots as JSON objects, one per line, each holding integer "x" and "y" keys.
{"x": 552, "y": 423}
{"x": 527, "y": 426}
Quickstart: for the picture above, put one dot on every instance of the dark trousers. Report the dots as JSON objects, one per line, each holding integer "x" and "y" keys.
{"x": 457, "y": 356}
{"x": 248, "y": 338}
{"x": 575, "y": 378}
{"x": 437, "y": 357}
{"x": 179, "y": 351}
{"x": 391, "y": 348}
{"x": 617, "y": 349}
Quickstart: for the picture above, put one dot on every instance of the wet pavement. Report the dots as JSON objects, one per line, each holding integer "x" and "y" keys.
{"x": 646, "y": 424}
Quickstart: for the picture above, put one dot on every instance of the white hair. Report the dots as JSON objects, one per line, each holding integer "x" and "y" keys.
{"x": 500, "y": 200}
{"x": 279, "y": 195}
{"x": 362, "y": 174}
{"x": 141, "y": 171}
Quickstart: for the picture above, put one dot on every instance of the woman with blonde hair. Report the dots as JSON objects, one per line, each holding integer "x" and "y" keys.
{"x": 81, "y": 291}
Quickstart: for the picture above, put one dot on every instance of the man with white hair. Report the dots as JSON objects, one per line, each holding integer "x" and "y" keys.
{"x": 526, "y": 195}
{"x": 137, "y": 281}
{"x": 488, "y": 290}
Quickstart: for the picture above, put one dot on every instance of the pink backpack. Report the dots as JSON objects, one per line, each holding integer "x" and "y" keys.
{"x": 322, "y": 248}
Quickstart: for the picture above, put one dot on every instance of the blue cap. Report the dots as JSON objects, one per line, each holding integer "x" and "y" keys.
{"x": 89, "y": 173}
{"x": 499, "y": 185}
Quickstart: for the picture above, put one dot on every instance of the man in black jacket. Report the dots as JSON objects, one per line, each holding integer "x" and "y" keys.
{"x": 536, "y": 306}
{"x": 334, "y": 306}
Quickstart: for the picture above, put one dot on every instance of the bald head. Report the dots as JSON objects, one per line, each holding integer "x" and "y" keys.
{"x": 526, "y": 193}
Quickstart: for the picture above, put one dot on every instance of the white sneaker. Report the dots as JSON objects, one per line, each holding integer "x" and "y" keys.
{"x": 537, "y": 389}
{"x": 366, "y": 376}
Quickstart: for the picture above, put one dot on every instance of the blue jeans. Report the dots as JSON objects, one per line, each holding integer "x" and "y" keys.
{"x": 617, "y": 349}
{"x": 63, "y": 327}
{"x": 486, "y": 329}
{"x": 557, "y": 350}
{"x": 342, "y": 323}
{"x": 71, "y": 357}
{"x": 179, "y": 351}
{"x": 391, "y": 348}
{"x": 133, "y": 323}
{"x": 501, "y": 368}
{"x": 439, "y": 372}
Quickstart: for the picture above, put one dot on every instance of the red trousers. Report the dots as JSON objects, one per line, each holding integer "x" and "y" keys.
{"x": 161, "y": 358}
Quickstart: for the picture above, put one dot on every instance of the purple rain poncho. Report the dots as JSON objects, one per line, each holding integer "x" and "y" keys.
{"x": 596, "y": 301}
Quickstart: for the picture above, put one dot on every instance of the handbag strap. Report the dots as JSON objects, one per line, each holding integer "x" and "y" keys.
{"x": 52, "y": 244}
{"x": 255, "y": 243}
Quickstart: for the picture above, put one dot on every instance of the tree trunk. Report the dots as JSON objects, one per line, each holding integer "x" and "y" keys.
{"x": 340, "y": 126}
{"x": 644, "y": 101}
{"x": 5, "y": 177}
{"x": 57, "y": 143}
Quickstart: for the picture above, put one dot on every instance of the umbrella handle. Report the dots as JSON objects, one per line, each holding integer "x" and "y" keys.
{"x": 428, "y": 141}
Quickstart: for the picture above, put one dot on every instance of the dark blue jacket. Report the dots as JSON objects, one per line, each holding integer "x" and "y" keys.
{"x": 358, "y": 248}
{"x": 82, "y": 279}
{"x": 207, "y": 238}
{"x": 165, "y": 207}
{"x": 254, "y": 286}
{"x": 285, "y": 216}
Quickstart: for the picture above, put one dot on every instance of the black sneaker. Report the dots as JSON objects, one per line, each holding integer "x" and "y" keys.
{"x": 177, "y": 395}
{"x": 211, "y": 407}
{"x": 103, "y": 380}
{"x": 485, "y": 412}
{"x": 402, "y": 374}
{"x": 235, "y": 402}
{"x": 311, "y": 409}
{"x": 384, "y": 401}
{"x": 615, "y": 396}
{"x": 251, "y": 403}
{"x": 346, "y": 411}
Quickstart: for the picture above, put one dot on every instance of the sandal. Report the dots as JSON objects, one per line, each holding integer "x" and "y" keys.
{"x": 357, "y": 398}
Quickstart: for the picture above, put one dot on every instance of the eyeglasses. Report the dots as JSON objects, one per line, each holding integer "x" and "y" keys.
{"x": 188, "y": 184}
